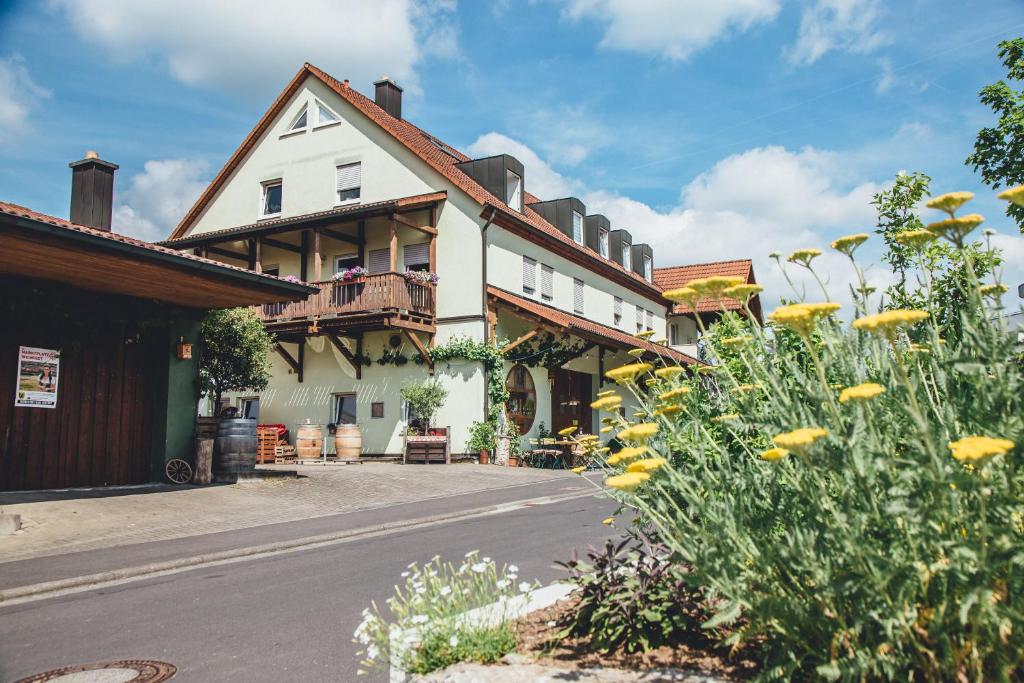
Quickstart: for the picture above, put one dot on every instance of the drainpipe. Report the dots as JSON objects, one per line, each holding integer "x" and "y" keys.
{"x": 483, "y": 292}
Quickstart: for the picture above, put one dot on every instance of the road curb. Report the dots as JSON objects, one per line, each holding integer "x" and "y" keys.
{"x": 77, "y": 583}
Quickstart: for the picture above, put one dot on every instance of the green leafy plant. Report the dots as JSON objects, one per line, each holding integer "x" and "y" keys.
{"x": 489, "y": 355}
{"x": 234, "y": 353}
{"x": 424, "y": 398}
{"x": 481, "y": 437}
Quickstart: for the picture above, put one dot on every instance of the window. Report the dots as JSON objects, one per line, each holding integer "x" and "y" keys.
{"x": 346, "y": 261}
{"x": 417, "y": 256}
{"x": 602, "y": 243}
{"x": 324, "y": 116}
{"x": 514, "y": 190}
{"x": 249, "y": 408}
{"x": 270, "y": 202}
{"x": 617, "y": 312}
{"x": 379, "y": 261}
{"x": 673, "y": 334}
{"x": 648, "y": 268}
{"x": 348, "y": 179}
{"x": 639, "y": 319}
{"x": 300, "y": 121}
{"x": 577, "y": 227}
{"x": 274, "y": 270}
{"x": 547, "y": 277}
{"x": 344, "y": 409}
{"x": 650, "y": 320}
{"x": 577, "y": 295}
{"x": 627, "y": 256}
{"x": 529, "y": 275}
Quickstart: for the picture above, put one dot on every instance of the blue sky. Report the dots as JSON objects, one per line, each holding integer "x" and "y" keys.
{"x": 712, "y": 130}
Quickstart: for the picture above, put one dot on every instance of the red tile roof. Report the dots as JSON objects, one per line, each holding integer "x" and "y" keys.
{"x": 678, "y": 276}
{"x": 440, "y": 156}
{"x": 586, "y": 329}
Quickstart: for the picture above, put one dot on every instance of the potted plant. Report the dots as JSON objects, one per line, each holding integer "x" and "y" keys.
{"x": 481, "y": 440}
{"x": 424, "y": 399}
{"x": 509, "y": 433}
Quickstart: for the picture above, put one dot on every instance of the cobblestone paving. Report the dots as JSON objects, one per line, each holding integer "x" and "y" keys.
{"x": 71, "y": 522}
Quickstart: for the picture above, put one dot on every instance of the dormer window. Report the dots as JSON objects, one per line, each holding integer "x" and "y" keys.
{"x": 514, "y": 190}
{"x": 627, "y": 256}
{"x": 270, "y": 201}
{"x": 648, "y": 268}
{"x": 602, "y": 243}
{"x": 577, "y": 227}
{"x": 300, "y": 121}
{"x": 324, "y": 116}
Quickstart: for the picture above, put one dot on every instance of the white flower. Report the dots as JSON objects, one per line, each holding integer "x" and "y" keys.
{"x": 410, "y": 565}
{"x": 405, "y": 574}
{"x": 551, "y": 624}
{"x": 420, "y": 590}
{"x": 471, "y": 553}
{"x": 504, "y": 583}
{"x": 513, "y": 568}
{"x": 453, "y": 641}
{"x": 420, "y": 619}
{"x": 487, "y": 559}
{"x": 513, "y": 577}
{"x": 446, "y": 590}
{"x": 372, "y": 652}
{"x": 479, "y": 567}
{"x": 524, "y": 587}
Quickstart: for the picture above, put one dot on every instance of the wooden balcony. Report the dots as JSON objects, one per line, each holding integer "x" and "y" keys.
{"x": 363, "y": 303}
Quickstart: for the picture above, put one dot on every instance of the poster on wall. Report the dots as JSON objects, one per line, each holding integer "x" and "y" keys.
{"x": 37, "y": 377}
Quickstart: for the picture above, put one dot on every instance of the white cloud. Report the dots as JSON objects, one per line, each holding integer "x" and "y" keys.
{"x": 540, "y": 179}
{"x": 674, "y": 29}
{"x": 254, "y": 46}
{"x": 157, "y": 198}
{"x": 846, "y": 25}
{"x": 19, "y": 95}
{"x": 888, "y": 79}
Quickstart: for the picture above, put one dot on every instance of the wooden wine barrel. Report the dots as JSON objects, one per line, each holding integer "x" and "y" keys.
{"x": 348, "y": 441}
{"x": 234, "y": 449}
{"x": 309, "y": 442}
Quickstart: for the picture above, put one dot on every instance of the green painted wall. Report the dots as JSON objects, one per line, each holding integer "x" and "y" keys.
{"x": 176, "y": 405}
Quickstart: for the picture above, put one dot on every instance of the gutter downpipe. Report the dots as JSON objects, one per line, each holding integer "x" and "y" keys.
{"x": 483, "y": 293}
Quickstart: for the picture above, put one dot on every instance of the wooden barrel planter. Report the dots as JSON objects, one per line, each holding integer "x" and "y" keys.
{"x": 234, "y": 449}
{"x": 348, "y": 441}
{"x": 309, "y": 442}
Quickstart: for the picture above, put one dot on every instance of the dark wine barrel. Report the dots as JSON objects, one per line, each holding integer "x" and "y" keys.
{"x": 234, "y": 450}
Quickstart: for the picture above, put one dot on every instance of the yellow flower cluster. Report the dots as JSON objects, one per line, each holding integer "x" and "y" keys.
{"x": 975, "y": 448}
{"x": 774, "y": 454}
{"x": 801, "y": 318}
{"x": 644, "y": 334}
{"x": 728, "y": 417}
{"x": 606, "y": 430}
{"x": 609, "y": 403}
{"x": 579, "y": 470}
{"x": 669, "y": 372}
{"x": 714, "y": 286}
{"x": 627, "y": 453}
{"x": 639, "y": 432}
{"x": 628, "y": 481}
{"x": 626, "y": 373}
{"x": 608, "y": 521}
{"x": 606, "y": 392}
{"x": 1014, "y": 195}
{"x": 887, "y": 322}
{"x": 746, "y": 388}
{"x": 949, "y": 202}
{"x": 800, "y": 439}
{"x": 861, "y": 392}
{"x": 804, "y": 256}
{"x": 683, "y": 295}
{"x": 636, "y": 353}
{"x": 993, "y": 290}
{"x": 848, "y": 243}
{"x": 647, "y": 465}
{"x": 674, "y": 393}
{"x": 742, "y": 292}
{"x": 741, "y": 340}
{"x": 956, "y": 228}
{"x": 568, "y": 431}
{"x": 667, "y": 410}
{"x": 914, "y": 238}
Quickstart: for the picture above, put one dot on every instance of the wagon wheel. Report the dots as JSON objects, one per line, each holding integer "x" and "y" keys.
{"x": 178, "y": 471}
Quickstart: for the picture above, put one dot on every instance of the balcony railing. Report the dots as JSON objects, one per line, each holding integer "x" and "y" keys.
{"x": 381, "y": 293}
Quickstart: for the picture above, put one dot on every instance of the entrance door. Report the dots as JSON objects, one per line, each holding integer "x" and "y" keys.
{"x": 570, "y": 401}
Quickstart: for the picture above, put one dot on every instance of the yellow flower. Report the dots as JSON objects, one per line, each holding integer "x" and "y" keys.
{"x": 799, "y": 439}
{"x": 625, "y": 373}
{"x": 949, "y": 202}
{"x": 636, "y": 353}
{"x": 955, "y": 228}
{"x": 603, "y": 449}
{"x": 606, "y": 430}
{"x": 887, "y": 322}
{"x": 568, "y": 431}
{"x": 631, "y": 452}
{"x": 804, "y": 256}
{"x": 714, "y": 286}
{"x": 914, "y": 238}
{"x": 608, "y": 392}
{"x": 706, "y": 369}
{"x": 774, "y": 454}
{"x": 660, "y": 340}
{"x": 993, "y": 290}
{"x": 667, "y": 410}
{"x": 728, "y": 417}
{"x": 639, "y": 413}
{"x": 746, "y": 388}
{"x": 609, "y": 403}
{"x": 848, "y": 243}
{"x": 1013, "y": 194}
{"x": 645, "y": 334}
{"x": 974, "y": 448}
{"x": 647, "y": 465}
{"x": 639, "y": 432}
{"x": 683, "y": 295}
{"x": 628, "y": 481}
{"x": 861, "y": 392}
{"x": 742, "y": 292}
{"x": 587, "y": 438}
{"x": 920, "y": 348}
{"x": 669, "y": 372}
{"x": 608, "y": 521}
{"x": 741, "y": 340}
{"x": 579, "y": 470}
{"x": 801, "y": 317}
{"x": 674, "y": 393}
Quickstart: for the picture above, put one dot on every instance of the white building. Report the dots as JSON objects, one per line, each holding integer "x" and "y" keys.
{"x": 329, "y": 180}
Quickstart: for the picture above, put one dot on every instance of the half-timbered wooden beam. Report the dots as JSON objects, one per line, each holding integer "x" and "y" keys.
{"x": 424, "y": 353}
{"x": 334, "y": 234}
{"x": 304, "y": 263}
{"x": 227, "y": 253}
{"x": 278, "y": 244}
{"x": 318, "y": 262}
{"x": 295, "y": 365}
{"x": 393, "y": 246}
{"x": 526, "y": 337}
{"x": 401, "y": 324}
{"x": 429, "y": 229}
{"x": 361, "y": 237}
{"x": 349, "y": 356}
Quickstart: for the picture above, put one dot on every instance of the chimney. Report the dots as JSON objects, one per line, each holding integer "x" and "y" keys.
{"x": 388, "y": 96}
{"x": 92, "y": 191}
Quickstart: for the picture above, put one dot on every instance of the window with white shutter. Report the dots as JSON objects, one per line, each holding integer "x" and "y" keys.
{"x": 639, "y": 319}
{"x": 627, "y": 256}
{"x": 417, "y": 256}
{"x": 602, "y": 243}
{"x": 650, "y": 320}
{"x": 349, "y": 177}
{"x": 514, "y": 190}
{"x": 648, "y": 268}
{"x": 617, "y": 312}
{"x": 547, "y": 277}
{"x": 379, "y": 261}
{"x": 577, "y": 295}
{"x": 577, "y": 227}
{"x": 529, "y": 275}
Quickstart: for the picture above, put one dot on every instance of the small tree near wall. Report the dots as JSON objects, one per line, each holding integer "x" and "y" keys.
{"x": 234, "y": 353}
{"x": 424, "y": 399}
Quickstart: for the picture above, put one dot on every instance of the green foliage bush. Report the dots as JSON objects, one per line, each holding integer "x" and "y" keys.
{"x": 234, "y": 352}
{"x": 424, "y": 398}
{"x": 851, "y": 497}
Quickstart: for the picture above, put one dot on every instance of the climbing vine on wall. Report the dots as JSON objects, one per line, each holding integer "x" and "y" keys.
{"x": 464, "y": 348}
{"x": 547, "y": 352}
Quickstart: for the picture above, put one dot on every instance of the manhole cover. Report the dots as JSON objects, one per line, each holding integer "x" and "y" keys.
{"x": 124, "y": 671}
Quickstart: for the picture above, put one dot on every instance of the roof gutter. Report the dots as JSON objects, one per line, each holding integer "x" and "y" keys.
{"x": 483, "y": 294}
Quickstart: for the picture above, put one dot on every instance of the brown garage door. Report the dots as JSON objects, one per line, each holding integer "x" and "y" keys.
{"x": 99, "y": 433}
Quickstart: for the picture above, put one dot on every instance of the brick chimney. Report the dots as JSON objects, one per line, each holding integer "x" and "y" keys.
{"x": 388, "y": 96}
{"x": 92, "y": 191}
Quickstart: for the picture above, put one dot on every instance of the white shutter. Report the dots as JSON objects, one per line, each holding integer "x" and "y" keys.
{"x": 577, "y": 227}
{"x": 529, "y": 275}
{"x": 379, "y": 261}
{"x": 627, "y": 256}
{"x": 514, "y": 190}
{"x": 650, "y": 320}
{"x": 416, "y": 254}
{"x": 639, "y": 319}
{"x": 577, "y": 295}
{"x": 349, "y": 176}
{"x": 547, "y": 276}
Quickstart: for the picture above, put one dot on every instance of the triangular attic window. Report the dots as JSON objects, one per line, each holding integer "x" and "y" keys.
{"x": 325, "y": 115}
{"x": 300, "y": 121}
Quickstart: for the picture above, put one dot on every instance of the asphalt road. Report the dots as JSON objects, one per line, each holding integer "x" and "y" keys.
{"x": 287, "y": 617}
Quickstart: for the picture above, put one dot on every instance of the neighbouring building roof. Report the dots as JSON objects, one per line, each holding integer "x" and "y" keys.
{"x": 679, "y": 276}
{"x": 586, "y": 329}
{"x": 437, "y": 154}
{"x": 44, "y": 247}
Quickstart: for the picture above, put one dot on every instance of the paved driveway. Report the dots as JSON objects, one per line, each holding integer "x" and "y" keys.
{"x": 64, "y": 522}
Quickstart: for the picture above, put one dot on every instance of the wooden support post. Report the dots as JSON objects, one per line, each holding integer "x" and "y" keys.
{"x": 433, "y": 254}
{"x": 393, "y": 247}
{"x": 304, "y": 263}
{"x": 295, "y": 365}
{"x": 526, "y": 337}
{"x": 302, "y": 358}
{"x": 349, "y": 356}
{"x": 424, "y": 354}
{"x": 251, "y": 263}
{"x": 492, "y": 324}
{"x": 600, "y": 366}
{"x": 318, "y": 264}
{"x": 361, "y": 238}
{"x": 259, "y": 255}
